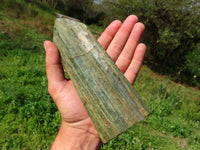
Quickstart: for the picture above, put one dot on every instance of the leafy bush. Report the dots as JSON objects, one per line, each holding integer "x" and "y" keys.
{"x": 191, "y": 70}
{"x": 172, "y": 33}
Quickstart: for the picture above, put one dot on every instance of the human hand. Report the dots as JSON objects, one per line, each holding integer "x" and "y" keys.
{"x": 121, "y": 41}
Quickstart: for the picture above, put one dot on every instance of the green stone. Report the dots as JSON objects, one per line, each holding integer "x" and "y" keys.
{"x": 110, "y": 100}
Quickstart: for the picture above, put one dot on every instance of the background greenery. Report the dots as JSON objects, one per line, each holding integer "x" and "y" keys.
{"x": 28, "y": 116}
{"x": 172, "y": 32}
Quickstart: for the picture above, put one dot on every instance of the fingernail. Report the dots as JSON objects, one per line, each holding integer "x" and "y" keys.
{"x": 45, "y": 45}
{"x": 116, "y": 23}
{"x": 132, "y": 18}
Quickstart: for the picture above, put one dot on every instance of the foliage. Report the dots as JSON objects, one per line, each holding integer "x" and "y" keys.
{"x": 96, "y": 30}
{"x": 52, "y": 3}
{"x": 172, "y": 28}
{"x": 190, "y": 72}
{"x": 87, "y": 11}
{"x": 27, "y": 113}
{"x": 38, "y": 16}
{"x": 172, "y": 31}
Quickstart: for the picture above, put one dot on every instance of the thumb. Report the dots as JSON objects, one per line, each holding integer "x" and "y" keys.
{"x": 55, "y": 73}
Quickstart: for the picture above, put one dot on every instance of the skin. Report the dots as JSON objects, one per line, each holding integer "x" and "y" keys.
{"x": 121, "y": 42}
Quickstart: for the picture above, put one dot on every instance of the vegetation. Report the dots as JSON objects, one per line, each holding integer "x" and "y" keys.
{"x": 172, "y": 33}
{"x": 29, "y": 117}
{"x": 38, "y": 16}
{"x": 172, "y": 30}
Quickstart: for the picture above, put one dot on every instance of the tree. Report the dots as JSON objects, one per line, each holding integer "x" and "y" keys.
{"x": 172, "y": 28}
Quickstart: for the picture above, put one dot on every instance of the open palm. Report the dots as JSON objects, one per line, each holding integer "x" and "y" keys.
{"x": 121, "y": 42}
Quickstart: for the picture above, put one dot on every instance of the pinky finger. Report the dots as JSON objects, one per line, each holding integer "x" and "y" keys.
{"x": 136, "y": 63}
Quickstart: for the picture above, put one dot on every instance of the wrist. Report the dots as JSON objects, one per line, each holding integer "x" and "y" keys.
{"x": 70, "y": 138}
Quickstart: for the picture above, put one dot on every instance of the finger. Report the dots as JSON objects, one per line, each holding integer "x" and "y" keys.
{"x": 54, "y": 68}
{"x": 107, "y": 36}
{"x": 118, "y": 42}
{"x": 136, "y": 63}
{"x": 127, "y": 53}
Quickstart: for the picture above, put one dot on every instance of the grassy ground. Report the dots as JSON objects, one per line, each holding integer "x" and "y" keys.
{"x": 29, "y": 118}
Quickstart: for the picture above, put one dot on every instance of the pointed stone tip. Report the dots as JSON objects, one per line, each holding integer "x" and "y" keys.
{"x": 67, "y": 17}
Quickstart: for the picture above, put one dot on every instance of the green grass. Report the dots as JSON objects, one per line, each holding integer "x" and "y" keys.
{"x": 174, "y": 122}
{"x": 29, "y": 118}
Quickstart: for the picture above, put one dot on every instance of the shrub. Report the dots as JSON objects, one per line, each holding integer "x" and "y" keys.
{"x": 191, "y": 70}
